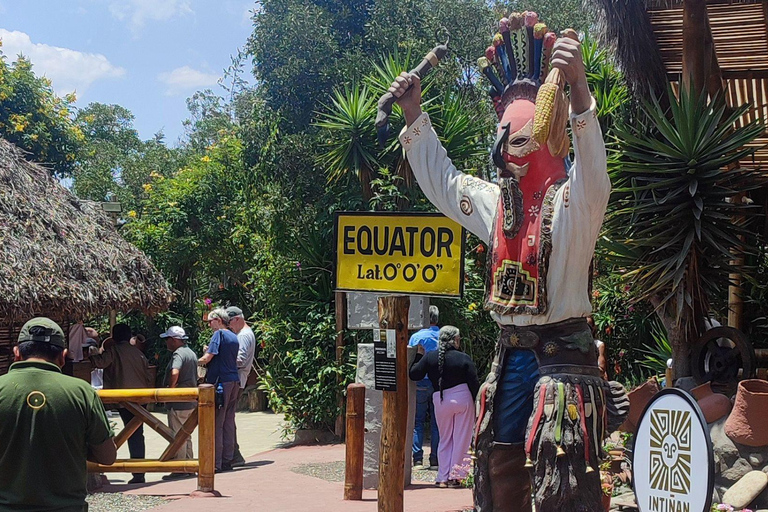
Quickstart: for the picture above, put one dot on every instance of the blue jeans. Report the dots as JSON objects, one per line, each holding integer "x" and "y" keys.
{"x": 424, "y": 391}
{"x": 513, "y": 403}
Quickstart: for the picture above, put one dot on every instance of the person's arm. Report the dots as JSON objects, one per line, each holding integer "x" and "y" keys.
{"x": 418, "y": 368}
{"x": 467, "y": 200}
{"x": 173, "y": 379}
{"x": 104, "y": 453}
{"x": 212, "y": 350}
{"x": 98, "y": 434}
{"x": 472, "y": 382}
{"x": 245, "y": 351}
{"x": 103, "y": 359}
{"x": 602, "y": 362}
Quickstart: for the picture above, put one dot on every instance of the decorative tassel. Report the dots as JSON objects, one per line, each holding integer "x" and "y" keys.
{"x": 560, "y": 414}
{"x": 528, "y": 463}
{"x": 573, "y": 413}
{"x": 594, "y": 420}
{"x": 536, "y": 421}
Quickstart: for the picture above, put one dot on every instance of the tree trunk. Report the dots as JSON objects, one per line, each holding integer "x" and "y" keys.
{"x": 697, "y": 45}
{"x": 681, "y": 352}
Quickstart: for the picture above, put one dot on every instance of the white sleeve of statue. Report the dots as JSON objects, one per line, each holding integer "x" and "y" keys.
{"x": 470, "y": 201}
{"x": 589, "y": 181}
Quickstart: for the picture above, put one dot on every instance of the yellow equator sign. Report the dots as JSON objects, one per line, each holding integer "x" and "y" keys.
{"x": 411, "y": 253}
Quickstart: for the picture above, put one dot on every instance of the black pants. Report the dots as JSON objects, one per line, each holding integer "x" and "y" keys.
{"x": 136, "y": 441}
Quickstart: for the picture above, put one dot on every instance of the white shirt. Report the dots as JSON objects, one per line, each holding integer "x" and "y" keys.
{"x": 245, "y": 354}
{"x": 578, "y": 209}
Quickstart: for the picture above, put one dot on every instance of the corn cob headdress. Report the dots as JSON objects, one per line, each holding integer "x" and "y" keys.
{"x": 516, "y": 64}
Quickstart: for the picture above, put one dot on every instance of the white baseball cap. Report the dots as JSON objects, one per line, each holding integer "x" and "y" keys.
{"x": 175, "y": 332}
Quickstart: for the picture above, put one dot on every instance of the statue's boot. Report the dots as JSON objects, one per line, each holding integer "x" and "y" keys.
{"x": 510, "y": 479}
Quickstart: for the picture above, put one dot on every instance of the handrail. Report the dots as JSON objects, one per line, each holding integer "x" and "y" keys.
{"x": 204, "y": 418}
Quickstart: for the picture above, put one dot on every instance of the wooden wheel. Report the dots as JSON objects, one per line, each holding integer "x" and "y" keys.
{"x": 723, "y": 356}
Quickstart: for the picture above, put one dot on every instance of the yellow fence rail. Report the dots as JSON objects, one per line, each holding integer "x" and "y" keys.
{"x": 204, "y": 417}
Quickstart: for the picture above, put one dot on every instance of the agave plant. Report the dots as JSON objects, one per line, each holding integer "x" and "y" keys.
{"x": 673, "y": 219}
{"x": 351, "y": 143}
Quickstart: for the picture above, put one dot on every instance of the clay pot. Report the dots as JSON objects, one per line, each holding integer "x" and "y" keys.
{"x": 713, "y": 405}
{"x": 748, "y": 422}
{"x": 638, "y": 399}
{"x": 607, "y": 488}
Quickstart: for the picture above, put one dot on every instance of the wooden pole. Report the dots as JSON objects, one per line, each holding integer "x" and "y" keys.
{"x": 341, "y": 324}
{"x": 206, "y": 439}
{"x": 353, "y": 472}
{"x": 698, "y": 45}
{"x": 145, "y": 466}
{"x": 393, "y": 314}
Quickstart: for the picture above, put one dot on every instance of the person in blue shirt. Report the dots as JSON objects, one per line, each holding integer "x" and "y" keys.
{"x": 221, "y": 358}
{"x": 426, "y": 339}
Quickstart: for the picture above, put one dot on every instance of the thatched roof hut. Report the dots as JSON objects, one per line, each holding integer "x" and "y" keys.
{"x": 648, "y": 38}
{"x": 61, "y": 256}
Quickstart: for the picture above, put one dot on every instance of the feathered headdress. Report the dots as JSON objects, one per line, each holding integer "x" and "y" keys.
{"x": 516, "y": 64}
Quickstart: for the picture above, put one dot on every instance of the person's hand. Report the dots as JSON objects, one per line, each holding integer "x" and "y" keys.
{"x": 205, "y": 348}
{"x": 422, "y": 350}
{"x": 566, "y": 56}
{"x": 407, "y": 89}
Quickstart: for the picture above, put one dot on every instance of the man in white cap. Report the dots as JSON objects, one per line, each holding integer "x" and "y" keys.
{"x": 181, "y": 373}
{"x": 245, "y": 355}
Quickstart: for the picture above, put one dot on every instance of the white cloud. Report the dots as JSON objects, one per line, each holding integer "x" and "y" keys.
{"x": 138, "y": 12}
{"x": 69, "y": 70}
{"x": 185, "y": 78}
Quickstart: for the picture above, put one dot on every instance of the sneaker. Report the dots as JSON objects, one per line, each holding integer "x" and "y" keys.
{"x": 238, "y": 461}
{"x": 419, "y": 465}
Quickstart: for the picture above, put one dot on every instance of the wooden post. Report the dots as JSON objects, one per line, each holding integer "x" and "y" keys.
{"x": 393, "y": 313}
{"x": 698, "y": 45}
{"x": 341, "y": 324}
{"x": 353, "y": 472}
{"x": 206, "y": 440}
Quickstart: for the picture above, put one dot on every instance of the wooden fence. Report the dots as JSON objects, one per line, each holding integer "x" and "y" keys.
{"x": 204, "y": 417}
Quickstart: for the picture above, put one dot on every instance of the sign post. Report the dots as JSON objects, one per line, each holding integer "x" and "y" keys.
{"x": 398, "y": 254}
{"x": 673, "y": 465}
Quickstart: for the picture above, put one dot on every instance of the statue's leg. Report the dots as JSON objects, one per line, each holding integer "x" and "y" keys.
{"x": 509, "y": 479}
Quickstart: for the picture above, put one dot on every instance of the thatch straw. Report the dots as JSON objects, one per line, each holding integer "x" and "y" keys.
{"x": 625, "y": 26}
{"x": 61, "y": 256}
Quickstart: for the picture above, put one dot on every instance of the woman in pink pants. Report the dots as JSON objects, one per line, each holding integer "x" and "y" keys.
{"x": 454, "y": 376}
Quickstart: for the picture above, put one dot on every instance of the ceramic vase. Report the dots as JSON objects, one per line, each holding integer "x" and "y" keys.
{"x": 748, "y": 422}
{"x": 713, "y": 405}
{"x": 638, "y": 399}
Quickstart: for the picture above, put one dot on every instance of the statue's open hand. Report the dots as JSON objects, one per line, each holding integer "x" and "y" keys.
{"x": 407, "y": 89}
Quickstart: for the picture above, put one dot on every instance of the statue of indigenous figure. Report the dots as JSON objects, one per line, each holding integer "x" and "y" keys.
{"x": 541, "y": 220}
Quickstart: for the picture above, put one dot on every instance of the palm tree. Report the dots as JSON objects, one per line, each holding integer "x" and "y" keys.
{"x": 673, "y": 220}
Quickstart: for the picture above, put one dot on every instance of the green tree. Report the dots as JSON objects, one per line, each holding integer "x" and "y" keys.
{"x": 34, "y": 118}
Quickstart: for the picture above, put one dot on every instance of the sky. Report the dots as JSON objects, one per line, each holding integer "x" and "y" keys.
{"x": 145, "y": 55}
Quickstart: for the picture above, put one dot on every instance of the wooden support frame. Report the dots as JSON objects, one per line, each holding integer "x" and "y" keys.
{"x": 204, "y": 417}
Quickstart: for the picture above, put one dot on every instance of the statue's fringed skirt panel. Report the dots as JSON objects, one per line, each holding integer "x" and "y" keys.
{"x": 574, "y": 410}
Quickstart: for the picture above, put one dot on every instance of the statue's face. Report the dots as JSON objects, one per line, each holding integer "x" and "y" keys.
{"x": 520, "y": 152}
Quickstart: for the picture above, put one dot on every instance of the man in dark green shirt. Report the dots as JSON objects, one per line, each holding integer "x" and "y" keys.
{"x": 49, "y": 424}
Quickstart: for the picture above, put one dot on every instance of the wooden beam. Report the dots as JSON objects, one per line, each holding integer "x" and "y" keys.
{"x": 148, "y": 418}
{"x": 181, "y": 437}
{"x": 128, "y": 431}
{"x": 148, "y": 395}
{"x": 206, "y": 437}
{"x": 145, "y": 466}
{"x": 393, "y": 313}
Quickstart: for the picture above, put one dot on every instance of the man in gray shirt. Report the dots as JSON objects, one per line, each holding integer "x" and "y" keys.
{"x": 245, "y": 356}
{"x": 181, "y": 373}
